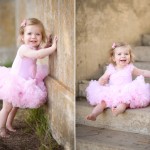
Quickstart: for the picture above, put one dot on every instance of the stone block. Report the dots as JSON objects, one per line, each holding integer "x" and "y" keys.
{"x": 133, "y": 120}
{"x": 82, "y": 86}
{"x": 146, "y": 40}
{"x": 142, "y": 53}
{"x": 61, "y": 113}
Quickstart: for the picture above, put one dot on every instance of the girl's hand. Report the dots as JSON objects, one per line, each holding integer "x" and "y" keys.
{"x": 49, "y": 41}
{"x": 54, "y": 44}
{"x": 55, "y": 40}
{"x": 102, "y": 81}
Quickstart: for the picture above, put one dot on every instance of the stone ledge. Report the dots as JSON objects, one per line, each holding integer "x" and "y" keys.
{"x": 133, "y": 120}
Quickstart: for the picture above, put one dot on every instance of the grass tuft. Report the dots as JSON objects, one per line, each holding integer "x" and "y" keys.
{"x": 8, "y": 64}
{"x": 37, "y": 119}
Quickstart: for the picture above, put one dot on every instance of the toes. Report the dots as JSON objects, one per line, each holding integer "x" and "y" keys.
{"x": 11, "y": 129}
{"x": 90, "y": 117}
{"x": 3, "y": 133}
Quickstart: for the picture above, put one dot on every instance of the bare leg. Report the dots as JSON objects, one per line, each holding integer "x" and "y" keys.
{"x": 10, "y": 119}
{"x": 119, "y": 109}
{"x": 3, "y": 118}
{"x": 96, "y": 111}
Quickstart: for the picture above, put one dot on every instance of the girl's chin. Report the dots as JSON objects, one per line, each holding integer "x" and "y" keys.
{"x": 33, "y": 45}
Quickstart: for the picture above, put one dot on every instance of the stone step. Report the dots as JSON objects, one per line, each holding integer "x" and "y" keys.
{"x": 142, "y": 53}
{"x": 143, "y": 65}
{"x": 133, "y": 120}
{"x": 7, "y": 55}
{"x": 146, "y": 39}
{"x": 91, "y": 138}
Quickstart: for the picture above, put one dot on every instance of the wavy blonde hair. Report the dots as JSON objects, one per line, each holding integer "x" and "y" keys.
{"x": 28, "y": 22}
{"x": 117, "y": 45}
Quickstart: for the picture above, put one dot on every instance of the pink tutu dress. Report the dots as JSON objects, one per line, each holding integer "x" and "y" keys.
{"x": 120, "y": 89}
{"x": 22, "y": 85}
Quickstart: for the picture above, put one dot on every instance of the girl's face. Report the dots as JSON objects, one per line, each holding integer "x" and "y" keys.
{"x": 121, "y": 57}
{"x": 32, "y": 36}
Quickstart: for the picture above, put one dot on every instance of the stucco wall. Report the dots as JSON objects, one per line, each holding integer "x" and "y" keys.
{"x": 99, "y": 24}
{"x": 58, "y": 17}
{"x": 7, "y": 32}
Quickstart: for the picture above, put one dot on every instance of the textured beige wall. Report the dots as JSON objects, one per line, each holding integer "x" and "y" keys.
{"x": 99, "y": 23}
{"x": 7, "y": 32}
{"x": 58, "y": 18}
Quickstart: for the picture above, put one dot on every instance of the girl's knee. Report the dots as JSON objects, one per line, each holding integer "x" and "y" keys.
{"x": 125, "y": 105}
{"x": 103, "y": 103}
{"x": 7, "y": 110}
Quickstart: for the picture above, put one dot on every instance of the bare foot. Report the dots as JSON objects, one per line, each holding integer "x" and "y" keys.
{"x": 11, "y": 129}
{"x": 3, "y": 133}
{"x": 115, "y": 111}
{"x": 91, "y": 117}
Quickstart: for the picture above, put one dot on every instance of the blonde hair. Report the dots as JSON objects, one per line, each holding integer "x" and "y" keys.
{"x": 117, "y": 45}
{"x": 28, "y": 22}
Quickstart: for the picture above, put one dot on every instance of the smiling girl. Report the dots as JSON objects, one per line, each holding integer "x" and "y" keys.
{"x": 115, "y": 89}
{"x": 22, "y": 86}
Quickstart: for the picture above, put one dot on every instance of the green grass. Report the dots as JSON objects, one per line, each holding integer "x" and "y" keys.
{"x": 8, "y": 64}
{"x": 37, "y": 119}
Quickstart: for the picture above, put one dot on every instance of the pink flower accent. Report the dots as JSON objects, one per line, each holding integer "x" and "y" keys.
{"x": 24, "y": 22}
{"x": 114, "y": 45}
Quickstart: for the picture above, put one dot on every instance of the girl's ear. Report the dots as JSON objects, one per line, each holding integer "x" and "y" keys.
{"x": 22, "y": 38}
{"x": 113, "y": 58}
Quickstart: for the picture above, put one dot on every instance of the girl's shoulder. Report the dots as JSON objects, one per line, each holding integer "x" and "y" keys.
{"x": 28, "y": 47}
{"x": 130, "y": 66}
{"x": 110, "y": 68}
{"x": 22, "y": 46}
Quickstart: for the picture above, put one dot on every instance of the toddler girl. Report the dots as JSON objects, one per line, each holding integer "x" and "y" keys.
{"x": 22, "y": 85}
{"x": 115, "y": 88}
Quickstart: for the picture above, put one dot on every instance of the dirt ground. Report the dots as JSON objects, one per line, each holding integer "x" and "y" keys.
{"x": 23, "y": 139}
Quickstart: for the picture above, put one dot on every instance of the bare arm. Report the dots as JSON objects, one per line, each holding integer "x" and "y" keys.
{"x": 137, "y": 72}
{"x": 104, "y": 79}
{"x": 24, "y": 52}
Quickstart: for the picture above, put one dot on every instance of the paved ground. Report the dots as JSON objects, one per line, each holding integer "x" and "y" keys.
{"x": 89, "y": 138}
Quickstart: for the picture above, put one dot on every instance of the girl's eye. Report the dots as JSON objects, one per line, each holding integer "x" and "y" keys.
{"x": 29, "y": 33}
{"x": 126, "y": 53}
{"x": 38, "y": 34}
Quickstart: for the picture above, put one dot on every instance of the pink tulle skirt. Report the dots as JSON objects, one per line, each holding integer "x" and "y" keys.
{"x": 135, "y": 93}
{"x": 30, "y": 93}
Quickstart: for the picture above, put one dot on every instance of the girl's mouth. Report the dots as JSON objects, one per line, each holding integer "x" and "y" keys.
{"x": 123, "y": 60}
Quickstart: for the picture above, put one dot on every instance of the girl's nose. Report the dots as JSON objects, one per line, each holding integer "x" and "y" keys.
{"x": 33, "y": 36}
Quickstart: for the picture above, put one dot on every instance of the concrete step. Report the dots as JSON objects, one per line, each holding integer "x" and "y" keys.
{"x": 143, "y": 65}
{"x": 146, "y": 39}
{"x": 142, "y": 53}
{"x": 133, "y": 120}
{"x": 91, "y": 138}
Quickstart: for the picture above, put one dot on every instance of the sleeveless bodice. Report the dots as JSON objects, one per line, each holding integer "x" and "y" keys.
{"x": 24, "y": 67}
{"x": 120, "y": 77}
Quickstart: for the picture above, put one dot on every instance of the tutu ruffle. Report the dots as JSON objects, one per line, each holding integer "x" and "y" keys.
{"x": 135, "y": 93}
{"x": 23, "y": 93}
